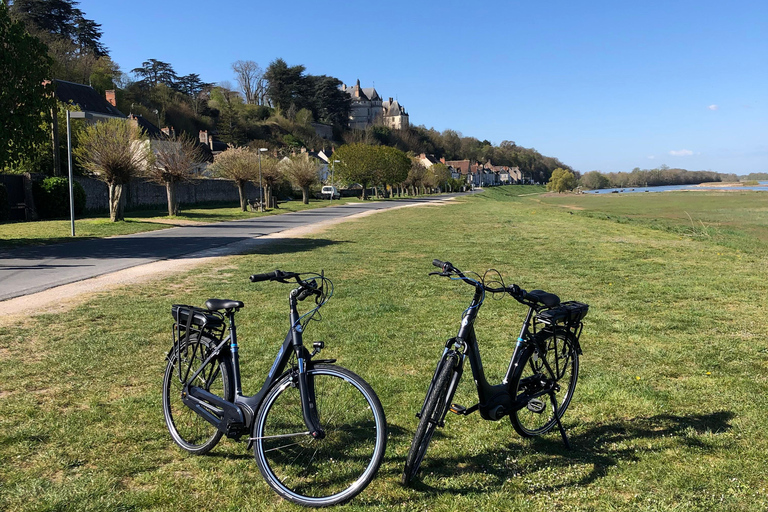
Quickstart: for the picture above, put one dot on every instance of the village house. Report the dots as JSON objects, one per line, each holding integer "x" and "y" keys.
{"x": 483, "y": 175}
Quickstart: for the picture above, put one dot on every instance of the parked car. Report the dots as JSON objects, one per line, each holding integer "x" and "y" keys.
{"x": 329, "y": 191}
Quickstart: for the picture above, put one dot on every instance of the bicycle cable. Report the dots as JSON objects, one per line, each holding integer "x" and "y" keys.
{"x": 325, "y": 293}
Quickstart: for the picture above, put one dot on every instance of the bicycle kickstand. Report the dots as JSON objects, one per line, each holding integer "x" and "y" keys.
{"x": 557, "y": 418}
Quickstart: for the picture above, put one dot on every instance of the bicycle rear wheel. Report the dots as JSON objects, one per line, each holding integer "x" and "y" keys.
{"x": 434, "y": 409}
{"x": 320, "y": 472}
{"x": 554, "y": 359}
{"x": 189, "y": 430}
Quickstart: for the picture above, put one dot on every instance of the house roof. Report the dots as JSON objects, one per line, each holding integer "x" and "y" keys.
{"x": 85, "y": 97}
{"x": 146, "y": 127}
{"x": 461, "y": 165}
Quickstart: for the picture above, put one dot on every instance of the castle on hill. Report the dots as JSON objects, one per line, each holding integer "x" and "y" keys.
{"x": 368, "y": 108}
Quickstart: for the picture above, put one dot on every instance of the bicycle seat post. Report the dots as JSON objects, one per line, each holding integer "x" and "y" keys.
{"x": 234, "y": 351}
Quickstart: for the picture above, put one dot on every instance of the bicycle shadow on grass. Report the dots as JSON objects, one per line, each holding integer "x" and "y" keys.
{"x": 601, "y": 447}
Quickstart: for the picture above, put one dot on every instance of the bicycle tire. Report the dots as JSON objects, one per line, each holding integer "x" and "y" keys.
{"x": 189, "y": 430}
{"x": 433, "y": 410}
{"x": 558, "y": 348}
{"x": 330, "y": 471}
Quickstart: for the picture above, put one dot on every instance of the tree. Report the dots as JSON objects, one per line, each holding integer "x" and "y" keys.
{"x": 357, "y": 164}
{"x": 238, "y": 164}
{"x": 416, "y": 175}
{"x": 594, "y": 180}
{"x": 175, "y": 161}
{"x": 441, "y": 174}
{"x": 393, "y": 166}
{"x": 330, "y": 104}
{"x": 250, "y": 78}
{"x": 229, "y": 104}
{"x": 561, "y": 181}
{"x": 115, "y": 152}
{"x": 154, "y": 72}
{"x": 302, "y": 171}
{"x": 286, "y": 85}
{"x": 24, "y": 66}
{"x": 271, "y": 176}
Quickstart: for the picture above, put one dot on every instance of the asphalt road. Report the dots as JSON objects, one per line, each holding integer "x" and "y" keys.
{"x": 29, "y": 270}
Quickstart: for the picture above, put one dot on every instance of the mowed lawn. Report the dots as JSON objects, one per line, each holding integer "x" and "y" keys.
{"x": 669, "y": 411}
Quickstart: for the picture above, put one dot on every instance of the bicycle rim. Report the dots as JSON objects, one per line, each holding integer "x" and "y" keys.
{"x": 328, "y": 471}
{"x": 189, "y": 430}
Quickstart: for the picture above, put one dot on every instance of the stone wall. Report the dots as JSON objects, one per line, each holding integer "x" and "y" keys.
{"x": 141, "y": 194}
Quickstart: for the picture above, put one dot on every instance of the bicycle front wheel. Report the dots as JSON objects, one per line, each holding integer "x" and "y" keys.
{"x": 320, "y": 472}
{"x": 431, "y": 413}
{"x": 554, "y": 359}
{"x": 189, "y": 430}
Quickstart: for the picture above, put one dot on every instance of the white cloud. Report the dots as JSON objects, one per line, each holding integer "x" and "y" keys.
{"x": 713, "y": 107}
{"x": 682, "y": 152}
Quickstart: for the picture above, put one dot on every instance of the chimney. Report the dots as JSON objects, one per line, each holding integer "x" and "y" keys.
{"x": 203, "y": 136}
{"x": 166, "y": 131}
{"x": 442, "y": 159}
{"x": 110, "y": 94}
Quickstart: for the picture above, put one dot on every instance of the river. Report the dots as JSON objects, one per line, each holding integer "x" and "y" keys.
{"x": 763, "y": 185}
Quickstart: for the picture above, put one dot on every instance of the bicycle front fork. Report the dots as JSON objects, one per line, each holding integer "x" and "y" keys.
{"x": 308, "y": 405}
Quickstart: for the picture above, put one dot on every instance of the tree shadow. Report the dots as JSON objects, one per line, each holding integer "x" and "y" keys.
{"x": 601, "y": 447}
{"x": 153, "y": 247}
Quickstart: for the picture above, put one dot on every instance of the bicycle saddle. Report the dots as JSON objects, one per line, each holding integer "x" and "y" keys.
{"x": 542, "y": 297}
{"x": 218, "y": 304}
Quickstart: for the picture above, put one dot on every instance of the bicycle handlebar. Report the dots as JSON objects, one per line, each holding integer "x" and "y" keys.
{"x": 277, "y": 275}
{"x": 514, "y": 290}
{"x": 306, "y": 288}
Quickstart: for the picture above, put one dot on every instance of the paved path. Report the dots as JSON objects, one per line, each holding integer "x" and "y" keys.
{"x": 28, "y": 270}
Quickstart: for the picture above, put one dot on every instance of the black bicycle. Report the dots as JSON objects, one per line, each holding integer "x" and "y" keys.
{"x": 317, "y": 430}
{"x": 539, "y": 382}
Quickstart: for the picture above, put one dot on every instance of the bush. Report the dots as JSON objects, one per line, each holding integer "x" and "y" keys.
{"x": 5, "y": 208}
{"x": 52, "y": 198}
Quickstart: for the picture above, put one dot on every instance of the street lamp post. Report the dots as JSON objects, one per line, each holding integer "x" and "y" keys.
{"x": 261, "y": 183}
{"x": 333, "y": 166}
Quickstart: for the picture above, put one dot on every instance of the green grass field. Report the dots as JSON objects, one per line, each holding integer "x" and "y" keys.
{"x": 669, "y": 411}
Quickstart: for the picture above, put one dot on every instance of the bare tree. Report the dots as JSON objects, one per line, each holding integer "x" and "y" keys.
{"x": 249, "y": 77}
{"x": 239, "y": 165}
{"x": 302, "y": 171}
{"x": 175, "y": 161}
{"x": 115, "y": 152}
{"x": 271, "y": 175}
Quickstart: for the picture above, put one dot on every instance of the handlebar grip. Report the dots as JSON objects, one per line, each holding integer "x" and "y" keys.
{"x": 267, "y": 276}
{"x": 438, "y": 263}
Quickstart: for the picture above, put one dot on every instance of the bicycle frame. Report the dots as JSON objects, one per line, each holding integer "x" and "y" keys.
{"x": 236, "y": 418}
{"x": 494, "y": 401}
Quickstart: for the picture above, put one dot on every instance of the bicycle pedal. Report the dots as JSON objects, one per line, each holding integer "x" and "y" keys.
{"x": 536, "y": 406}
{"x": 458, "y": 409}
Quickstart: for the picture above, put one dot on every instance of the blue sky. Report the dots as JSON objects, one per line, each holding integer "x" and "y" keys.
{"x": 601, "y": 85}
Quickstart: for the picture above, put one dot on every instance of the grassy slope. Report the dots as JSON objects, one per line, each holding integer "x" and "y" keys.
{"x": 668, "y": 413}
